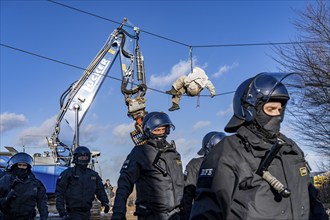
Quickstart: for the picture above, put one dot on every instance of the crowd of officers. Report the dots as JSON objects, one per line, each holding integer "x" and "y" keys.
{"x": 255, "y": 173}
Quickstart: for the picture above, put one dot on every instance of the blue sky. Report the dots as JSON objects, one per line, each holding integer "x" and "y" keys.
{"x": 31, "y": 86}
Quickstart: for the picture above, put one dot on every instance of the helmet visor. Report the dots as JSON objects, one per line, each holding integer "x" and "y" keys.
{"x": 286, "y": 86}
{"x": 20, "y": 157}
{"x": 159, "y": 120}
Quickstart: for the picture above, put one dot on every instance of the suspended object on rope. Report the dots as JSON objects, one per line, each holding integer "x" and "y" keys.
{"x": 191, "y": 70}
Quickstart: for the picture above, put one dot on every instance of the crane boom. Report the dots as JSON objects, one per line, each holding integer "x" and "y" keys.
{"x": 77, "y": 99}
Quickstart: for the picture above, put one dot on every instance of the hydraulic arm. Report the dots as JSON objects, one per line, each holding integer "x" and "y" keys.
{"x": 77, "y": 99}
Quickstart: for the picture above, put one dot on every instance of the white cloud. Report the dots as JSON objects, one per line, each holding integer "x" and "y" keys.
{"x": 187, "y": 149}
{"x": 224, "y": 69}
{"x": 36, "y": 136}
{"x": 91, "y": 132}
{"x": 201, "y": 124}
{"x": 227, "y": 111}
{"x": 179, "y": 69}
{"x": 111, "y": 168}
{"x": 123, "y": 129}
{"x": 9, "y": 121}
{"x": 122, "y": 134}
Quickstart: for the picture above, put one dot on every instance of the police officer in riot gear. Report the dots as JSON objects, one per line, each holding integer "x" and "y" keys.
{"x": 156, "y": 170}
{"x": 192, "y": 170}
{"x": 21, "y": 191}
{"x": 229, "y": 186}
{"x": 77, "y": 186}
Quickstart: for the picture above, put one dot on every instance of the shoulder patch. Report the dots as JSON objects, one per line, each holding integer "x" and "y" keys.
{"x": 206, "y": 172}
{"x": 126, "y": 164}
{"x": 205, "y": 178}
{"x": 303, "y": 171}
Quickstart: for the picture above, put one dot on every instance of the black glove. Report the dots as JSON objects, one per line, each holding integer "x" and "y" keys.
{"x": 118, "y": 216}
{"x": 64, "y": 215}
{"x": 11, "y": 195}
{"x": 106, "y": 207}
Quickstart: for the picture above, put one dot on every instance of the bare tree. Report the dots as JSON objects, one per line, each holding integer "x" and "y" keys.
{"x": 309, "y": 55}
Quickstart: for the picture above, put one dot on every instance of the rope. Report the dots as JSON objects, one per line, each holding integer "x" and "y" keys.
{"x": 191, "y": 70}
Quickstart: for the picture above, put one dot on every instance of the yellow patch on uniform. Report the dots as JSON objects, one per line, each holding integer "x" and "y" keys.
{"x": 303, "y": 171}
{"x": 178, "y": 162}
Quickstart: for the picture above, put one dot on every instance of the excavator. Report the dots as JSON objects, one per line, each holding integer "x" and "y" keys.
{"x": 77, "y": 99}
{"x": 75, "y": 102}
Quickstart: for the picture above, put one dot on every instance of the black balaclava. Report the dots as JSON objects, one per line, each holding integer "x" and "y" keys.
{"x": 159, "y": 140}
{"x": 271, "y": 124}
{"x": 82, "y": 164}
{"x": 19, "y": 172}
{"x": 266, "y": 126}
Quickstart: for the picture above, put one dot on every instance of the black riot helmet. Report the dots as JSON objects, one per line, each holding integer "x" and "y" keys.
{"x": 81, "y": 156}
{"x": 154, "y": 120}
{"x": 20, "y": 158}
{"x": 209, "y": 141}
{"x": 259, "y": 90}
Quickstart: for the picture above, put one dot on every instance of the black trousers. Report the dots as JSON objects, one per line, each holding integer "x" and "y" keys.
{"x": 160, "y": 216}
{"x": 79, "y": 215}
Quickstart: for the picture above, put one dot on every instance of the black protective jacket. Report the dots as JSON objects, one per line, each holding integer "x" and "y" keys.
{"x": 190, "y": 181}
{"x": 229, "y": 188}
{"x": 76, "y": 188}
{"x": 30, "y": 192}
{"x": 157, "y": 173}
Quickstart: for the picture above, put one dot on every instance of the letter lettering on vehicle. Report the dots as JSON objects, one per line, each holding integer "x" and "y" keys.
{"x": 97, "y": 74}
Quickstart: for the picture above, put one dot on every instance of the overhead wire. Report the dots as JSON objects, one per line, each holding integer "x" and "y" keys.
{"x": 155, "y": 35}
{"x": 80, "y": 68}
{"x": 116, "y": 22}
{"x": 185, "y": 44}
{"x": 189, "y": 45}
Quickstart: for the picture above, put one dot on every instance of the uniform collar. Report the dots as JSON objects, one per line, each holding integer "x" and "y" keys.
{"x": 258, "y": 146}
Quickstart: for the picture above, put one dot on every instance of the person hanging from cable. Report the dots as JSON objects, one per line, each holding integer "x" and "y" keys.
{"x": 192, "y": 85}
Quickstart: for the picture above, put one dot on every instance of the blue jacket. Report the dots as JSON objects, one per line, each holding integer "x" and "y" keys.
{"x": 30, "y": 192}
{"x": 76, "y": 188}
